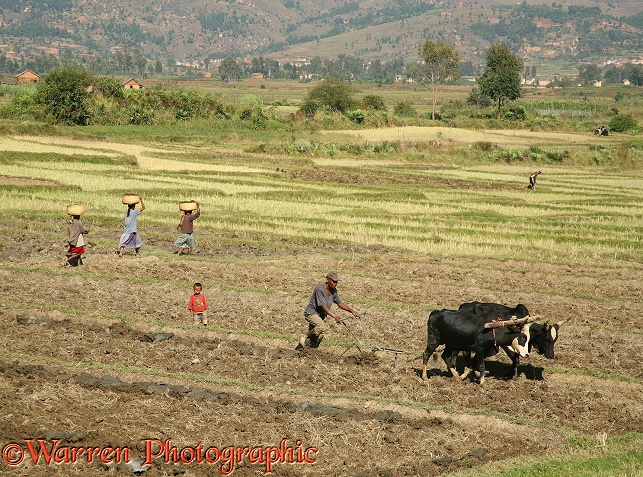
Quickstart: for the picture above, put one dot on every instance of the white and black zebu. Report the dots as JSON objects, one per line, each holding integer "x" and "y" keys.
{"x": 543, "y": 336}
{"x": 460, "y": 330}
{"x": 601, "y": 131}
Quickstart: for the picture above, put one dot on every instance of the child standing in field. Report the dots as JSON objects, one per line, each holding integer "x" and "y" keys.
{"x": 198, "y": 306}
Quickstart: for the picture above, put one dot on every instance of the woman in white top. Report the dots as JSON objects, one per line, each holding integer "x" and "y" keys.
{"x": 130, "y": 237}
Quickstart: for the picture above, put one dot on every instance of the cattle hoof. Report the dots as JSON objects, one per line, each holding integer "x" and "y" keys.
{"x": 464, "y": 375}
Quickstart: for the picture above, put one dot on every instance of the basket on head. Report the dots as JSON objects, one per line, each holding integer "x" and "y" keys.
{"x": 130, "y": 199}
{"x": 187, "y": 205}
{"x": 75, "y": 209}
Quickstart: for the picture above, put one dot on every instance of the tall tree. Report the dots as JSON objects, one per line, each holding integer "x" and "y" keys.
{"x": 500, "y": 79}
{"x": 441, "y": 61}
{"x": 589, "y": 73}
{"x": 229, "y": 70}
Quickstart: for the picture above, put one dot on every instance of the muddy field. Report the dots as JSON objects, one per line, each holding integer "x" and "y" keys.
{"x": 104, "y": 357}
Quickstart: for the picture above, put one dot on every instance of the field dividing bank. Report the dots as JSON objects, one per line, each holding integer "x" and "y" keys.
{"x": 106, "y": 355}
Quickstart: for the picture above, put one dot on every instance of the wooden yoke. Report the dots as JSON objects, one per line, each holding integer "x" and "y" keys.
{"x": 513, "y": 321}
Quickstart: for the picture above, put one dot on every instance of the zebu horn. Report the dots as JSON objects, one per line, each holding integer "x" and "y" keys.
{"x": 560, "y": 323}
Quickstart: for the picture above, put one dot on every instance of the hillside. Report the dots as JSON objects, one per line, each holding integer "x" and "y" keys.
{"x": 168, "y": 30}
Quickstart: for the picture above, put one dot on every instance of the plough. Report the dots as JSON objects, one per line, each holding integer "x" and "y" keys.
{"x": 374, "y": 349}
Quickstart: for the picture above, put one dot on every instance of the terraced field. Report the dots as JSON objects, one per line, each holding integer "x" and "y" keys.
{"x": 104, "y": 356}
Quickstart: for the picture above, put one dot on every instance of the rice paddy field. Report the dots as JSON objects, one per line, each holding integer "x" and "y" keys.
{"x": 105, "y": 356}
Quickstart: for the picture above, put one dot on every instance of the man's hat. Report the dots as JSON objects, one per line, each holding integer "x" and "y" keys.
{"x": 333, "y": 276}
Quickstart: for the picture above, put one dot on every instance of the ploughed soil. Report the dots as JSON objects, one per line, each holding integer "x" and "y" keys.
{"x": 104, "y": 356}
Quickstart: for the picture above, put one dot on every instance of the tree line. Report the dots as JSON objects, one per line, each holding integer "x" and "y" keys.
{"x": 74, "y": 96}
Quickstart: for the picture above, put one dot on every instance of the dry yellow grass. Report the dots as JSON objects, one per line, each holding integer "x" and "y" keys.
{"x": 144, "y": 155}
{"x": 465, "y": 136}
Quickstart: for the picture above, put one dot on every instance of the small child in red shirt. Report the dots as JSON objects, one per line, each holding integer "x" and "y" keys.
{"x": 198, "y": 305}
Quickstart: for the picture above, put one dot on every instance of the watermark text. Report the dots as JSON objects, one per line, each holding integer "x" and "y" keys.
{"x": 40, "y": 452}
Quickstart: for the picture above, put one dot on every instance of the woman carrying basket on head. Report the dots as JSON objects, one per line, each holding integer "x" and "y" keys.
{"x": 130, "y": 237}
{"x": 75, "y": 236}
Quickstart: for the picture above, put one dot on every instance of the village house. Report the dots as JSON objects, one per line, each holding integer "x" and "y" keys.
{"x": 132, "y": 84}
{"x": 7, "y": 79}
{"x": 27, "y": 77}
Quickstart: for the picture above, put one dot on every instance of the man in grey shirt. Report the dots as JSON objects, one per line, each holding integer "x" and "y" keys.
{"x": 324, "y": 295}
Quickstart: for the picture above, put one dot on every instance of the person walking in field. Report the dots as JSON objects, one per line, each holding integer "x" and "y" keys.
{"x": 198, "y": 306}
{"x": 318, "y": 309}
{"x": 532, "y": 179}
{"x": 75, "y": 241}
{"x": 186, "y": 227}
{"x": 130, "y": 237}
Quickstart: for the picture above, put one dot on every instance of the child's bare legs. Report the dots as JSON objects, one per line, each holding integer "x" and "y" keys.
{"x": 73, "y": 257}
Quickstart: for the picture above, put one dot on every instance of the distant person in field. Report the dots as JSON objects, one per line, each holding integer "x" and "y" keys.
{"x": 186, "y": 227}
{"x": 75, "y": 241}
{"x": 533, "y": 178}
{"x": 198, "y": 306}
{"x": 130, "y": 237}
{"x": 318, "y": 309}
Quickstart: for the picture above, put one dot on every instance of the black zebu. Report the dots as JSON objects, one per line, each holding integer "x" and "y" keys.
{"x": 543, "y": 336}
{"x": 465, "y": 331}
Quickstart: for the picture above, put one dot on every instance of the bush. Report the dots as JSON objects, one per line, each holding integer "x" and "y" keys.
{"x": 356, "y": 115}
{"x": 557, "y": 156}
{"x": 245, "y": 114}
{"x": 388, "y": 147}
{"x": 515, "y": 113}
{"x": 140, "y": 115}
{"x": 622, "y": 123}
{"x": 332, "y": 94}
{"x": 109, "y": 86}
{"x": 437, "y": 116}
{"x": 476, "y": 98}
{"x": 449, "y": 110}
{"x": 374, "y": 102}
{"x": 484, "y": 146}
{"x": 309, "y": 108}
{"x": 21, "y": 107}
{"x": 64, "y": 95}
{"x": 404, "y": 109}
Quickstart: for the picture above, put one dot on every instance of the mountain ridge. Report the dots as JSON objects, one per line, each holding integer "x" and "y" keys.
{"x": 580, "y": 31}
